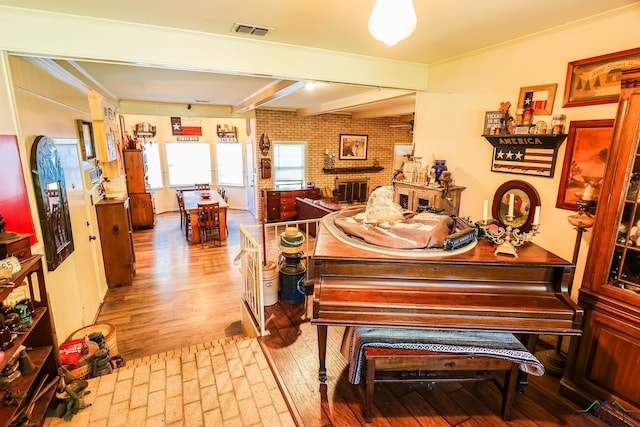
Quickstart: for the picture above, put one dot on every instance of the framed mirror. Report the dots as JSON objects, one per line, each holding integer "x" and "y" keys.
{"x": 51, "y": 197}
{"x": 526, "y": 198}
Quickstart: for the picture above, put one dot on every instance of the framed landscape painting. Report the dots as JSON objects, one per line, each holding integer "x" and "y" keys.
{"x": 596, "y": 80}
{"x": 585, "y": 160}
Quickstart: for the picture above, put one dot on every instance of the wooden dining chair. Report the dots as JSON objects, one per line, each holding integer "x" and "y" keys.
{"x": 223, "y": 193}
{"x": 202, "y": 187}
{"x": 185, "y": 219}
{"x": 209, "y": 222}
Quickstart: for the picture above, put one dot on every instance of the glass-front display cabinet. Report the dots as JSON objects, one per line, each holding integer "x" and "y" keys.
{"x": 604, "y": 363}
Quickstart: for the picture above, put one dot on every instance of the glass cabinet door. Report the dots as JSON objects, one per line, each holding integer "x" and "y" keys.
{"x": 624, "y": 270}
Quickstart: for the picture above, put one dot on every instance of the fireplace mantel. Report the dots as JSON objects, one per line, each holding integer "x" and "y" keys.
{"x": 353, "y": 169}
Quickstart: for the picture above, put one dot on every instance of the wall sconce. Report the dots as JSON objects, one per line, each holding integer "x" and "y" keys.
{"x": 392, "y": 20}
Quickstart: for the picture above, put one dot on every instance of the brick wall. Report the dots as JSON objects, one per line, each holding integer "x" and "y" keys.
{"x": 323, "y": 132}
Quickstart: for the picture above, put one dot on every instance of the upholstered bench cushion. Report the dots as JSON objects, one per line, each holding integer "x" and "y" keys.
{"x": 492, "y": 344}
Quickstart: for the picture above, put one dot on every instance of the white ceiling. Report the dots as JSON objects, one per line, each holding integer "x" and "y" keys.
{"x": 445, "y": 29}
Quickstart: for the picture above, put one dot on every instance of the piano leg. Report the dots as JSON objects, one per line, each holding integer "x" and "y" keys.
{"x": 322, "y": 352}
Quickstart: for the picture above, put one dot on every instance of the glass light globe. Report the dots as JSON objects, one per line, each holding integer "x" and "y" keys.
{"x": 392, "y": 20}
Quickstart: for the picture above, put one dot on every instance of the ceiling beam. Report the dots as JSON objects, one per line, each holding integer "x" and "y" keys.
{"x": 270, "y": 93}
{"x": 372, "y": 97}
{"x": 79, "y": 73}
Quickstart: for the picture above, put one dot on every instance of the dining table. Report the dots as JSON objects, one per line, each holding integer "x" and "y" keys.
{"x": 192, "y": 199}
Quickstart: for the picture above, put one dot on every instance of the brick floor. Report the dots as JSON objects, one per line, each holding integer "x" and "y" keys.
{"x": 221, "y": 383}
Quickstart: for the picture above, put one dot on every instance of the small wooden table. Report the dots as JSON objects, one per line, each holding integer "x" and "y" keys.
{"x": 191, "y": 201}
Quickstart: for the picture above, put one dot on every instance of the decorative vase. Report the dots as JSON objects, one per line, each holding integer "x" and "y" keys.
{"x": 439, "y": 166}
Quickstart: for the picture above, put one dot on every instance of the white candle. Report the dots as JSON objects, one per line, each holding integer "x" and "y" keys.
{"x": 485, "y": 210}
{"x": 326, "y": 151}
{"x": 536, "y": 216}
{"x": 510, "y": 213}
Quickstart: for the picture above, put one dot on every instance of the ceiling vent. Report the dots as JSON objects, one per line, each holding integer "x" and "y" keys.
{"x": 250, "y": 29}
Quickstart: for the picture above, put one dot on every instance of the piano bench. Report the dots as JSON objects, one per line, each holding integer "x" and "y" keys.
{"x": 379, "y": 360}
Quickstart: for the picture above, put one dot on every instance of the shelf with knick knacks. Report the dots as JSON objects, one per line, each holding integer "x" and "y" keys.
{"x": 144, "y": 130}
{"x": 527, "y": 154}
{"x": 522, "y": 145}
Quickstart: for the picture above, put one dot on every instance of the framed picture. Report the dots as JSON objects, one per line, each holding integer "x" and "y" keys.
{"x": 123, "y": 129}
{"x": 112, "y": 144}
{"x": 540, "y": 98}
{"x": 585, "y": 160}
{"x": 353, "y": 147}
{"x": 597, "y": 80}
{"x": 87, "y": 142}
{"x": 525, "y": 200}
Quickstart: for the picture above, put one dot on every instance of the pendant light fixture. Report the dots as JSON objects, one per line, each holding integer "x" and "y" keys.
{"x": 392, "y": 20}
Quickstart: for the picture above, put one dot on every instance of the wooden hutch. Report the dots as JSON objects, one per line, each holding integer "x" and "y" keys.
{"x": 603, "y": 364}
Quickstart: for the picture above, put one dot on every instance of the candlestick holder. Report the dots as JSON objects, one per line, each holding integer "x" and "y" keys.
{"x": 483, "y": 225}
{"x": 507, "y": 238}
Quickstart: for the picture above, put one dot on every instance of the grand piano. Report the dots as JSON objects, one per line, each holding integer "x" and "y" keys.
{"x": 469, "y": 290}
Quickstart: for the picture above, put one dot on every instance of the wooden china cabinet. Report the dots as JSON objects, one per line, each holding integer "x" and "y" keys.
{"x": 604, "y": 363}
{"x": 139, "y": 189}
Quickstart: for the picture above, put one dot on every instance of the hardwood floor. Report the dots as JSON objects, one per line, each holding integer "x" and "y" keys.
{"x": 291, "y": 347}
{"x": 184, "y": 295}
{"x": 181, "y": 295}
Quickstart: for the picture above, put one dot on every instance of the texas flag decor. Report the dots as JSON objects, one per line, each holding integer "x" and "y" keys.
{"x": 186, "y": 126}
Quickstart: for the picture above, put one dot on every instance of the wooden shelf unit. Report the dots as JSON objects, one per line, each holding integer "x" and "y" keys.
{"x": 542, "y": 140}
{"x": 39, "y": 339}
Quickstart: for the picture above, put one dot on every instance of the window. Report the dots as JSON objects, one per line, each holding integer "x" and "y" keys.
{"x": 188, "y": 162}
{"x": 399, "y": 152}
{"x": 229, "y": 163}
{"x": 154, "y": 168}
{"x": 289, "y": 160}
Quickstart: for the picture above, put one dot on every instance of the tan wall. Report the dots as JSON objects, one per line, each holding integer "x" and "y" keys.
{"x": 449, "y": 117}
{"x": 323, "y": 132}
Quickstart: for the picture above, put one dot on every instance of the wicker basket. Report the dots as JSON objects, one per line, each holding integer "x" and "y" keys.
{"x": 108, "y": 331}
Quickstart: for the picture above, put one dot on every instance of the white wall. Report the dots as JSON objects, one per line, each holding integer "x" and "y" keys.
{"x": 450, "y": 115}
